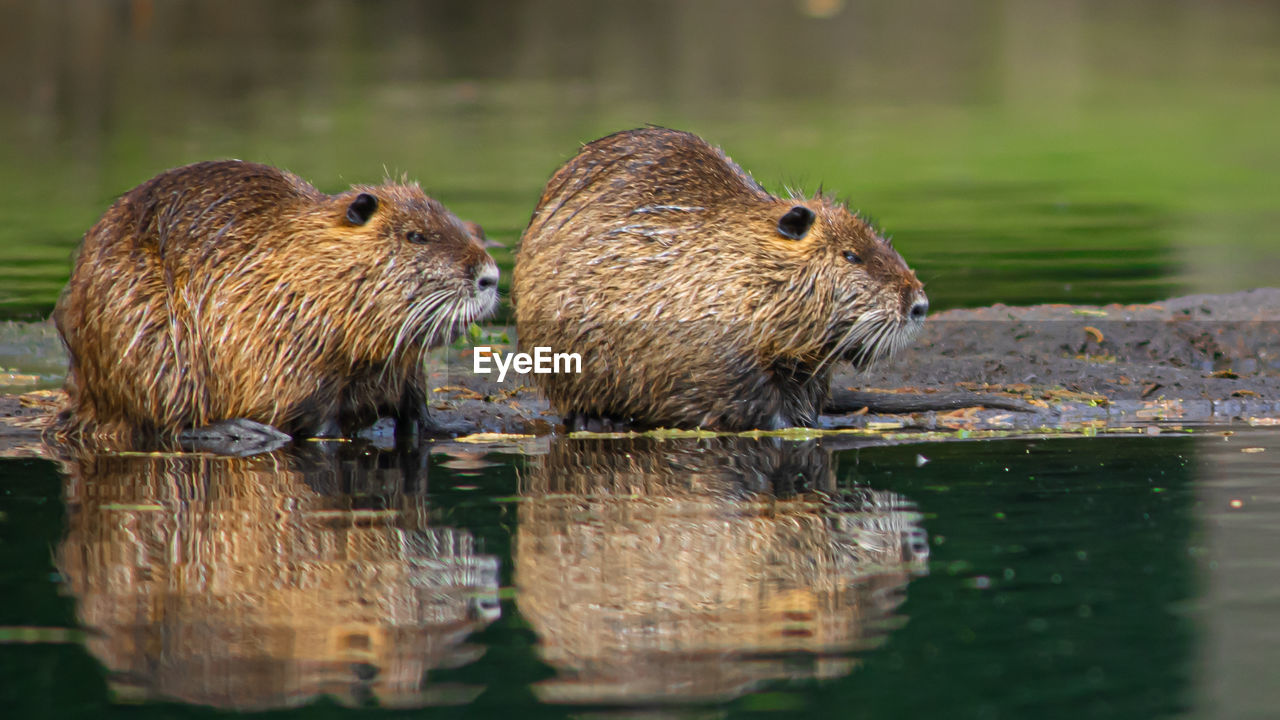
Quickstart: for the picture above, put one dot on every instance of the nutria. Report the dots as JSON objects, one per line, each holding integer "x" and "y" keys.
{"x": 695, "y": 297}
{"x": 234, "y": 582}
{"x": 229, "y": 291}
{"x": 684, "y": 568}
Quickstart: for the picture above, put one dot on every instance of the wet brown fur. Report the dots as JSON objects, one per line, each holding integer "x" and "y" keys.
{"x": 227, "y": 289}
{"x": 660, "y": 261}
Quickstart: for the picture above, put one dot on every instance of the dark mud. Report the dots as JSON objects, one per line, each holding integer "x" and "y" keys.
{"x": 1195, "y": 359}
{"x": 1191, "y": 360}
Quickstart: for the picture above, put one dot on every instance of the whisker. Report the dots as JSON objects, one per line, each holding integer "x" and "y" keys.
{"x": 857, "y": 334}
{"x": 411, "y": 327}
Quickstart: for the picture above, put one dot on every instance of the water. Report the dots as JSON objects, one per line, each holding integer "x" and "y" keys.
{"x": 1017, "y": 151}
{"x": 1098, "y": 577}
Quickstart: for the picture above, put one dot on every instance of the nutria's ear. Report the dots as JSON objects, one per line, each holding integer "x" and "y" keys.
{"x": 477, "y": 234}
{"x": 796, "y": 223}
{"x": 361, "y": 209}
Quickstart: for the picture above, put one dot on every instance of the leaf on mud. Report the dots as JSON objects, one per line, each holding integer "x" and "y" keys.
{"x": 492, "y": 437}
{"x": 961, "y": 414}
{"x": 1062, "y": 394}
{"x": 42, "y": 399}
{"x": 1011, "y": 388}
{"x": 1160, "y": 410}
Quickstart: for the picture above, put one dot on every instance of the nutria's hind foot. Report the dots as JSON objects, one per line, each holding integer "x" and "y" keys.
{"x": 239, "y": 437}
{"x": 580, "y": 422}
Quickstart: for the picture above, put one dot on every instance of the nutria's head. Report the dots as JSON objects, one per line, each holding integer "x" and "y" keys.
{"x": 423, "y": 264}
{"x": 846, "y": 279}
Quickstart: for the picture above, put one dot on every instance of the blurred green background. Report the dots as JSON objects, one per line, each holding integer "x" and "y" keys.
{"x": 1018, "y": 152}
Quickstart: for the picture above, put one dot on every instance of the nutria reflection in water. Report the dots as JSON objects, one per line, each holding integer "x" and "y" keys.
{"x": 697, "y": 568}
{"x": 249, "y": 584}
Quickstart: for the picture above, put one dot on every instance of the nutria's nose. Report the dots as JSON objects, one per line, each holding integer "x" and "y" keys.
{"x": 488, "y": 279}
{"x": 919, "y": 309}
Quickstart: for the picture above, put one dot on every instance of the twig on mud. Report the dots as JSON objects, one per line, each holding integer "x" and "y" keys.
{"x": 847, "y": 401}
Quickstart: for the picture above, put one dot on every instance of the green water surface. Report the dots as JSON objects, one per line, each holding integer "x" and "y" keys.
{"x": 1017, "y": 151}
{"x": 1041, "y": 578}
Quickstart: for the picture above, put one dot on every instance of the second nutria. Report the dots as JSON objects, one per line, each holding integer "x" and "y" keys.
{"x": 230, "y": 291}
{"x": 695, "y": 297}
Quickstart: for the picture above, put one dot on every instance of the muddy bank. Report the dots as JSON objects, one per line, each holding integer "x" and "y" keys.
{"x": 1201, "y": 358}
{"x": 1196, "y": 359}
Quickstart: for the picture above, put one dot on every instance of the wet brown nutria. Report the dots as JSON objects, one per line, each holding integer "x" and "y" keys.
{"x": 228, "y": 291}
{"x": 695, "y": 297}
{"x": 721, "y": 556}
{"x": 250, "y": 583}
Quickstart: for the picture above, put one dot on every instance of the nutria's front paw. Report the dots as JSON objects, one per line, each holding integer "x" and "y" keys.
{"x": 412, "y": 419}
{"x": 240, "y": 437}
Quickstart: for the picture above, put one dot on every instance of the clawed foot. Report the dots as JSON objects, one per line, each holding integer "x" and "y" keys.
{"x": 239, "y": 437}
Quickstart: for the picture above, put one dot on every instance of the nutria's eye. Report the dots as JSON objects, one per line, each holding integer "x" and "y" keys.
{"x": 852, "y": 257}
{"x": 361, "y": 209}
{"x": 796, "y": 223}
{"x": 416, "y": 237}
